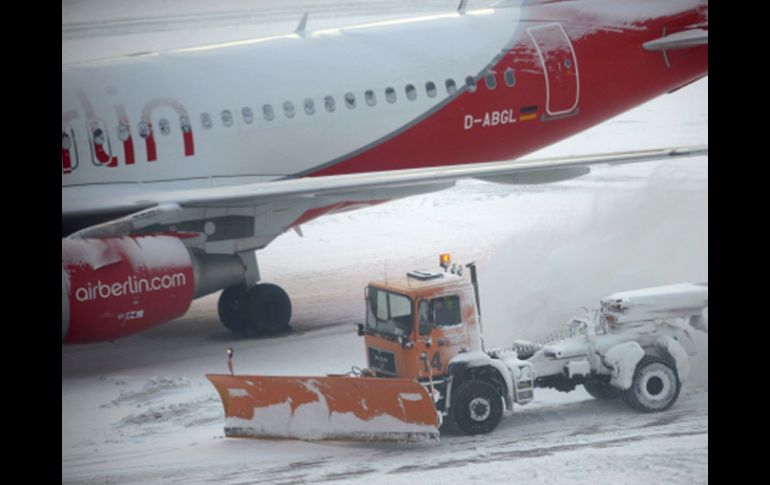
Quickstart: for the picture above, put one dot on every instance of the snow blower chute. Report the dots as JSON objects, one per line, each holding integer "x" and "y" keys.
{"x": 332, "y": 407}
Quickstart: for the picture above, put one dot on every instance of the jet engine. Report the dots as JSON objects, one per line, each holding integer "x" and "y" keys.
{"x": 115, "y": 287}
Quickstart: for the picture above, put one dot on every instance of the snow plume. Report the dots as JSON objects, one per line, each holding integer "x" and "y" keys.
{"x": 627, "y": 238}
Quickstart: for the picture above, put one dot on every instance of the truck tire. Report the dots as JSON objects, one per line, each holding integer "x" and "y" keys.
{"x": 655, "y": 386}
{"x": 602, "y": 390}
{"x": 477, "y": 407}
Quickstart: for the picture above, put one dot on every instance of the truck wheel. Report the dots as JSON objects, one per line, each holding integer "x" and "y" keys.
{"x": 477, "y": 407}
{"x": 602, "y": 390}
{"x": 655, "y": 386}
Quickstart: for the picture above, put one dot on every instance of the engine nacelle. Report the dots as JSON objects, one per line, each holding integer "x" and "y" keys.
{"x": 115, "y": 287}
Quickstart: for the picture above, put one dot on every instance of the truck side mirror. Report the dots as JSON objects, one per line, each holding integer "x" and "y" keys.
{"x": 424, "y": 323}
{"x": 405, "y": 343}
{"x": 360, "y": 329}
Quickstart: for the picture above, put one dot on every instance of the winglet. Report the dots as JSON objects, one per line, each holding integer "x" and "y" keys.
{"x": 302, "y": 26}
{"x": 461, "y": 7}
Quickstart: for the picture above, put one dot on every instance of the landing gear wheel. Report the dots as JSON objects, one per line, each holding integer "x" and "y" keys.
{"x": 602, "y": 390}
{"x": 268, "y": 310}
{"x": 263, "y": 309}
{"x": 231, "y": 308}
{"x": 655, "y": 386}
{"x": 477, "y": 407}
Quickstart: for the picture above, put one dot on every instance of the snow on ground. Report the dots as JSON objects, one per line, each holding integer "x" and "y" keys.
{"x": 139, "y": 410}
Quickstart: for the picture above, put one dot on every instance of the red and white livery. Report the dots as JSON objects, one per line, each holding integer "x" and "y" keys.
{"x": 203, "y": 155}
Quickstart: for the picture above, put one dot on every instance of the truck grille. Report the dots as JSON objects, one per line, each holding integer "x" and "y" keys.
{"x": 382, "y": 360}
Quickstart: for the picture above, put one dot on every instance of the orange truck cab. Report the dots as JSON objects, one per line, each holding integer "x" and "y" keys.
{"x": 426, "y": 326}
{"x": 416, "y": 324}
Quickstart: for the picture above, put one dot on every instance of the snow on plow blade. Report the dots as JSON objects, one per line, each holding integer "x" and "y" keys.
{"x": 333, "y": 407}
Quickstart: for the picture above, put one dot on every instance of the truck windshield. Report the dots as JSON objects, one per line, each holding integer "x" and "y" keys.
{"x": 388, "y": 313}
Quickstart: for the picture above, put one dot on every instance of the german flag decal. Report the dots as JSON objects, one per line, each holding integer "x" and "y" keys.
{"x": 528, "y": 113}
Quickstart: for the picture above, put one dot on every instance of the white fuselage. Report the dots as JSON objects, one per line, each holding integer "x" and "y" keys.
{"x": 264, "y": 74}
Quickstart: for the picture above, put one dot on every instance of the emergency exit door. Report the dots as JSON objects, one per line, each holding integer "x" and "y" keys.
{"x": 562, "y": 82}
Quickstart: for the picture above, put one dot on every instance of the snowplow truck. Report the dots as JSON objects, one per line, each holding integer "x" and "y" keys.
{"x": 428, "y": 369}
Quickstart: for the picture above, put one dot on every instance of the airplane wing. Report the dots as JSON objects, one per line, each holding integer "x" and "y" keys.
{"x": 242, "y": 217}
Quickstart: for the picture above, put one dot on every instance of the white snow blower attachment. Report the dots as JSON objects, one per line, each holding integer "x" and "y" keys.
{"x": 332, "y": 407}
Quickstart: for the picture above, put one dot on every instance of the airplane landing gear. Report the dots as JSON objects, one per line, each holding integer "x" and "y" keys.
{"x": 263, "y": 309}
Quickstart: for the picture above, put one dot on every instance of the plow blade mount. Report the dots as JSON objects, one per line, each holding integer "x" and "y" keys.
{"x": 333, "y": 407}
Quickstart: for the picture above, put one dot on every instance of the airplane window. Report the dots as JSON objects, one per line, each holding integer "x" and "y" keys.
{"x": 451, "y": 87}
{"x": 123, "y": 132}
{"x": 205, "y": 121}
{"x": 510, "y": 79}
{"x": 490, "y": 80}
{"x": 470, "y": 83}
{"x": 227, "y": 117}
{"x": 430, "y": 89}
{"x": 267, "y": 112}
{"x": 184, "y": 124}
{"x": 99, "y": 136}
{"x": 329, "y": 104}
{"x": 390, "y": 95}
{"x": 371, "y": 100}
{"x": 288, "y": 109}
{"x": 144, "y": 128}
{"x": 350, "y": 100}
{"x": 411, "y": 92}
{"x": 165, "y": 127}
{"x": 248, "y": 115}
{"x": 309, "y": 106}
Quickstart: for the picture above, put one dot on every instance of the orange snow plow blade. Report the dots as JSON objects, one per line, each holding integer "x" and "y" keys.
{"x": 333, "y": 407}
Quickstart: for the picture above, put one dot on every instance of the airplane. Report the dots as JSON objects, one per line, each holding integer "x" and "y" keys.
{"x": 178, "y": 165}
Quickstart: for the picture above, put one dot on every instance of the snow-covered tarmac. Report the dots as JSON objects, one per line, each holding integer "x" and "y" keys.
{"x": 139, "y": 410}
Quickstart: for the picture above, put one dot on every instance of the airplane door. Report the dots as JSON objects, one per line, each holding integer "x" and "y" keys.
{"x": 69, "y": 150}
{"x": 562, "y": 82}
